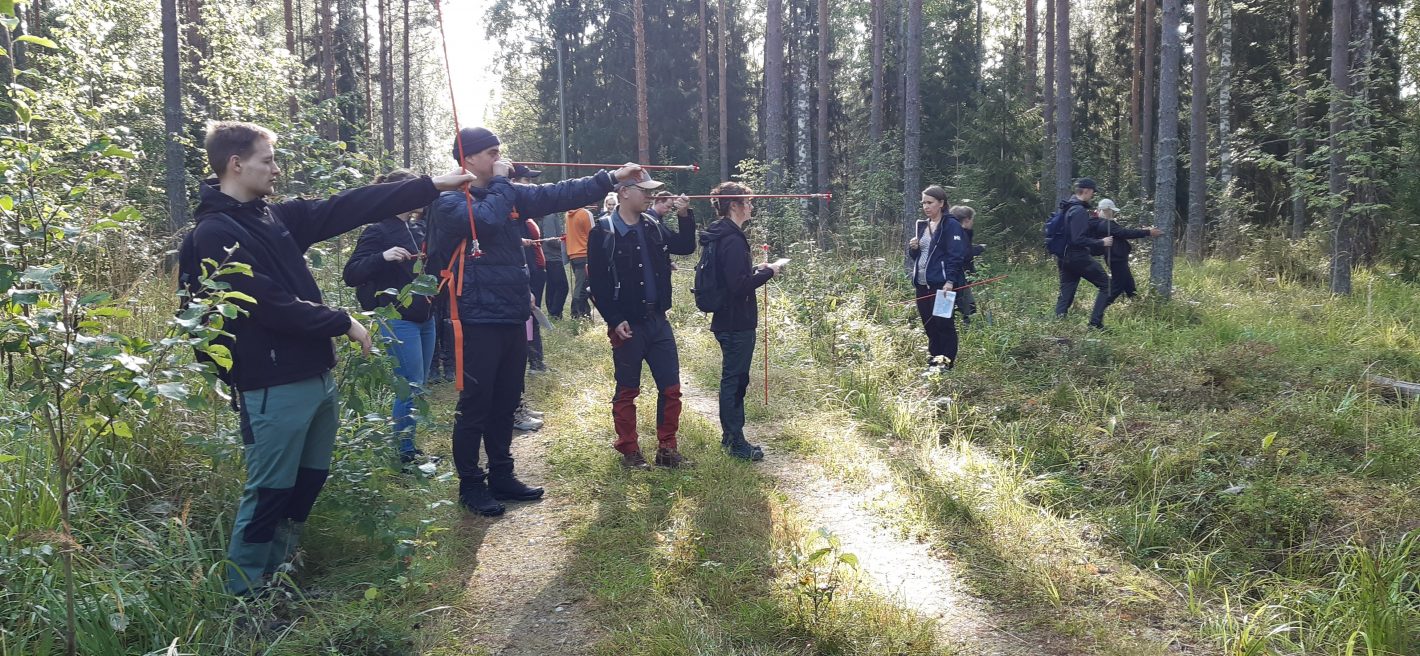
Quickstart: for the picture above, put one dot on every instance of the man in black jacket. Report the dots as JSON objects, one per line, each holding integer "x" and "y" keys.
{"x": 281, "y": 348}
{"x": 735, "y": 321}
{"x": 629, "y": 264}
{"x": 1077, "y": 263}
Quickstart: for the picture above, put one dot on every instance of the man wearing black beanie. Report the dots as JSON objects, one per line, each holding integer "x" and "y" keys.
{"x": 1077, "y": 262}
{"x": 488, "y": 278}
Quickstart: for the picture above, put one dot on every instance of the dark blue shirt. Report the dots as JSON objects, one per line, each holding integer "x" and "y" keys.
{"x": 640, "y": 231}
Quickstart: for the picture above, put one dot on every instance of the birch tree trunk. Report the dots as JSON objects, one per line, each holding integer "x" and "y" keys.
{"x": 1336, "y": 178}
{"x": 1299, "y": 142}
{"x": 1064, "y": 149}
{"x": 1198, "y": 136}
{"x": 912, "y": 120}
{"x": 643, "y": 132}
{"x": 175, "y": 178}
{"x": 1166, "y": 181}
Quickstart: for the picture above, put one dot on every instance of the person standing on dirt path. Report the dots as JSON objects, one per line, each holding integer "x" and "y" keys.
{"x": 938, "y": 254}
{"x": 628, "y": 261}
{"x": 1077, "y": 262}
{"x": 281, "y": 349}
{"x": 734, "y": 322}
{"x": 492, "y": 302}
{"x": 1121, "y": 279}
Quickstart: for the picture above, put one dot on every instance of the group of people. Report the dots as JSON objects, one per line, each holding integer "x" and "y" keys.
{"x": 481, "y": 230}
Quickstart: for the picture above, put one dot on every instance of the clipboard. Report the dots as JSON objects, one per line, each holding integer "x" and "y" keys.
{"x": 945, "y": 303}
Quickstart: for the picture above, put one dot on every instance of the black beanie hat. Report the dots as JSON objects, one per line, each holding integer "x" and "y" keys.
{"x": 475, "y": 140}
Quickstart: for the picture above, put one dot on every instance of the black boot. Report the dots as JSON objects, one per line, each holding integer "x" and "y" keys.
{"x": 474, "y": 496}
{"x": 506, "y": 487}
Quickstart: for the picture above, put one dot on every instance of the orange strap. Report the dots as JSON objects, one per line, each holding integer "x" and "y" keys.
{"x": 447, "y": 280}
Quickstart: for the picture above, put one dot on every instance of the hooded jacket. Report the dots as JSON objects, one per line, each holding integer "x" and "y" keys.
{"x": 286, "y": 334}
{"x": 946, "y": 255}
{"x": 370, "y": 273}
{"x": 1079, "y": 227}
{"x": 735, "y": 262}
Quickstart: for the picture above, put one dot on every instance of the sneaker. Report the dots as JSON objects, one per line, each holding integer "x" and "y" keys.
{"x": 535, "y": 414}
{"x": 509, "y": 488}
{"x": 635, "y": 460}
{"x": 524, "y": 422}
{"x": 672, "y": 459}
{"x": 538, "y": 368}
{"x": 745, "y": 451}
{"x": 476, "y": 498}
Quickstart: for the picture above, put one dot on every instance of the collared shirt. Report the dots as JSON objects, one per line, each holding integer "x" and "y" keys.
{"x": 639, "y": 230}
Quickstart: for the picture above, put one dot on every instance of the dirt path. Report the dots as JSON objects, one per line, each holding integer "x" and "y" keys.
{"x": 898, "y": 568}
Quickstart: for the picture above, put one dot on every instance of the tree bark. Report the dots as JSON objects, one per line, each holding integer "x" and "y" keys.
{"x": 405, "y": 127}
{"x": 1231, "y": 233}
{"x": 1166, "y": 182}
{"x": 1032, "y": 48}
{"x": 825, "y": 84}
{"x": 1364, "y": 233}
{"x": 386, "y": 76}
{"x": 1299, "y": 143}
{"x": 293, "y": 107}
{"x": 1336, "y": 179}
{"x": 1136, "y": 79}
{"x": 776, "y": 147}
{"x": 724, "y": 135}
{"x": 370, "y": 72}
{"x": 803, "y": 97}
{"x": 704, "y": 70}
{"x": 643, "y": 132}
{"x": 1198, "y": 135}
{"x": 1064, "y": 149}
{"x": 912, "y": 120}
{"x": 875, "y": 108}
{"x": 1146, "y": 179}
{"x": 1047, "y": 159}
{"x": 175, "y": 174}
{"x": 325, "y": 27}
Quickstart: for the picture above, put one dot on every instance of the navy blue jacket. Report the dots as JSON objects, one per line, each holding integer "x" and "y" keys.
{"x": 286, "y": 335}
{"x": 370, "y": 273}
{"x": 947, "y": 254}
{"x": 1078, "y": 226}
{"x": 620, "y": 294}
{"x": 495, "y": 285}
{"x": 738, "y": 274}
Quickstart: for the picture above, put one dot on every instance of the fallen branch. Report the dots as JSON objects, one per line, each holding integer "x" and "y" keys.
{"x": 1399, "y": 387}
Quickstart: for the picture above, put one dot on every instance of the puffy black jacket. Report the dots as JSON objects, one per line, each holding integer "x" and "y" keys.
{"x": 286, "y": 335}
{"x": 620, "y": 293}
{"x": 495, "y": 285}
{"x": 735, "y": 262}
{"x": 370, "y": 273}
{"x": 946, "y": 255}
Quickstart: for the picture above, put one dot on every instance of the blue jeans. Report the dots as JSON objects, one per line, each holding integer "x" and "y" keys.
{"x": 412, "y": 345}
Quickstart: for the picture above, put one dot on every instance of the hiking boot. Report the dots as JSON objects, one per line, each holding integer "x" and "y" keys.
{"x": 535, "y": 414}
{"x": 635, "y": 460}
{"x": 525, "y": 422}
{"x": 475, "y": 497}
{"x": 743, "y": 450}
{"x": 509, "y": 488}
{"x": 672, "y": 459}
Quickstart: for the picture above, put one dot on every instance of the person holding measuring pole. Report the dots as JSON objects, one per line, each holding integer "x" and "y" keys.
{"x": 938, "y": 253}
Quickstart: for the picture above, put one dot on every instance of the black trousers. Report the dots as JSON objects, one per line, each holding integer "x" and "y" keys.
{"x": 581, "y": 291}
{"x": 941, "y": 332}
{"x": 494, "y": 357}
{"x": 556, "y": 297}
{"x": 443, "y": 363}
{"x": 1121, "y": 279}
{"x": 736, "y": 354}
{"x": 1077, "y": 264}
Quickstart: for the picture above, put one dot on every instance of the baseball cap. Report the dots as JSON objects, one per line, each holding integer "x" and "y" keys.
{"x": 522, "y": 171}
{"x": 644, "y": 183}
{"x": 1107, "y": 204}
{"x": 1085, "y": 183}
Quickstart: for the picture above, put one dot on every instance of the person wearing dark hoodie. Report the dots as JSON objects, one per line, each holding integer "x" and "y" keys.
{"x": 938, "y": 255}
{"x": 966, "y": 301}
{"x": 384, "y": 259}
{"x": 1077, "y": 262}
{"x": 281, "y": 347}
{"x": 735, "y": 321}
{"x": 1121, "y": 279}
{"x": 492, "y": 302}
{"x": 629, "y": 266}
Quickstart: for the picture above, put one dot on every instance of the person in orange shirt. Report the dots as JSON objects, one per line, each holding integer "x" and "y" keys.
{"x": 579, "y": 225}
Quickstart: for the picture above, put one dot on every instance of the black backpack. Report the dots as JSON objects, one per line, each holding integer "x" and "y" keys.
{"x": 190, "y": 285}
{"x": 709, "y": 287}
{"x": 1057, "y": 233}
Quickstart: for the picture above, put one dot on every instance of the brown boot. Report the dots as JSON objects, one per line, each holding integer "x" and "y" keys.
{"x": 672, "y": 459}
{"x": 636, "y": 461}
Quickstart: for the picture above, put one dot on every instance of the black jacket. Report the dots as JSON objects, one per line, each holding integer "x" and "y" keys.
{"x": 735, "y": 262}
{"x": 285, "y": 337}
{"x": 495, "y": 285}
{"x": 946, "y": 255}
{"x": 972, "y": 250}
{"x": 370, "y": 273}
{"x": 1119, "y": 252}
{"x": 1078, "y": 226}
{"x": 620, "y": 294}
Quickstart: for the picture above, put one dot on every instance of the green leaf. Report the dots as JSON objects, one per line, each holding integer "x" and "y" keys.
{"x": 8, "y": 458}
{"x": 8, "y": 275}
{"x": 849, "y": 559}
{"x": 7, "y": 203}
{"x": 372, "y": 593}
{"x": 115, "y": 312}
{"x": 115, "y": 151}
{"x": 24, "y": 296}
{"x": 94, "y": 298}
{"x": 221, "y": 356}
{"x": 37, "y": 40}
{"x": 174, "y": 391}
{"x": 239, "y": 296}
{"x": 122, "y": 429}
{"x": 22, "y": 110}
{"x": 1267, "y": 441}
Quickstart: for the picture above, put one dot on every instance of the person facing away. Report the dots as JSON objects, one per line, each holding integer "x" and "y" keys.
{"x": 1117, "y": 255}
{"x": 492, "y": 304}
{"x": 281, "y": 347}
{"x": 734, "y": 322}
{"x": 938, "y": 253}
{"x": 628, "y": 261}
{"x": 579, "y": 225}
{"x": 966, "y": 301}
{"x": 384, "y": 259}
{"x": 1077, "y": 262}
{"x": 554, "y": 230}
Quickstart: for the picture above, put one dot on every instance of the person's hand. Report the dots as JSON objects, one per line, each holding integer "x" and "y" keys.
{"x": 1107, "y": 241}
{"x": 680, "y": 204}
{"x": 452, "y": 180}
{"x": 623, "y": 330}
{"x": 631, "y": 171}
{"x": 503, "y": 167}
{"x": 983, "y": 247}
{"x": 529, "y": 242}
{"x": 947, "y": 287}
{"x": 775, "y": 267}
{"x": 359, "y": 335}
{"x": 914, "y": 244}
{"x": 397, "y": 254}
{"x": 1155, "y": 232}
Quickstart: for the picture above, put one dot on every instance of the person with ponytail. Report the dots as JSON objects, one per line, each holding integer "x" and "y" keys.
{"x": 938, "y": 254}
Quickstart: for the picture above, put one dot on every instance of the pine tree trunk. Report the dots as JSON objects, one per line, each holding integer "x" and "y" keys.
{"x": 1229, "y": 228}
{"x": 405, "y": 127}
{"x": 1146, "y": 136}
{"x": 386, "y": 76}
{"x": 325, "y": 26}
{"x": 1336, "y": 178}
{"x": 293, "y": 107}
{"x": 875, "y": 109}
{"x": 802, "y": 94}
{"x": 175, "y": 175}
{"x": 1300, "y": 85}
{"x": 1032, "y": 48}
{"x": 1047, "y": 152}
{"x": 704, "y": 70}
{"x": 825, "y": 84}
{"x": 980, "y": 48}
{"x": 912, "y": 119}
{"x": 724, "y": 135}
{"x": 1064, "y": 149}
{"x": 1198, "y": 135}
{"x": 1136, "y": 80}
{"x": 1364, "y": 234}
{"x": 643, "y": 131}
{"x": 1166, "y": 173}
{"x": 370, "y": 72}
{"x": 776, "y": 148}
